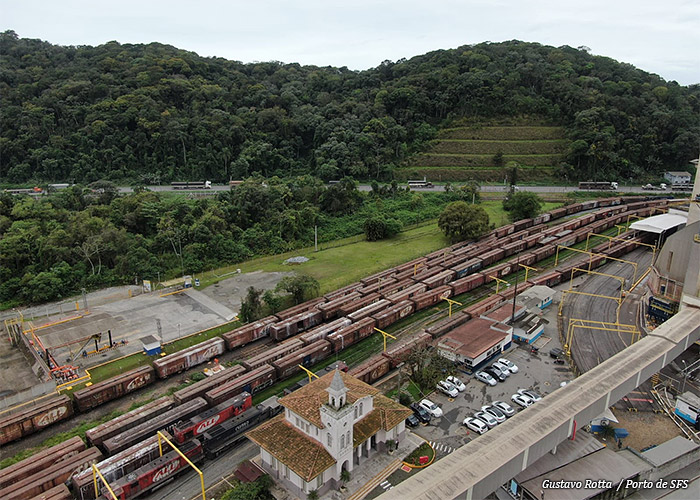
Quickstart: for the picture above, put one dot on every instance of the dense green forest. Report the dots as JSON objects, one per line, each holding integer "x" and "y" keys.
{"x": 153, "y": 113}
{"x": 52, "y": 246}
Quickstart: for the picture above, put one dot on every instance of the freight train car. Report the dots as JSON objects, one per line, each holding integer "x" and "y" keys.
{"x": 309, "y": 305}
{"x": 252, "y": 382}
{"x": 406, "y": 293}
{"x": 351, "y": 334}
{"x": 308, "y": 356}
{"x": 377, "y": 287}
{"x": 40, "y": 461}
{"x": 369, "y": 310}
{"x": 295, "y": 324}
{"x": 220, "y": 438}
{"x": 476, "y": 310}
{"x": 113, "y": 388}
{"x": 440, "y": 279}
{"x": 329, "y": 310}
{"x": 340, "y": 292}
{"x": 467, "y": 267}
{"x": 372, "y": 369}
{"x": 426, "y": 273}
{"x": 51, "y": 476}
{"x": 155, "y": 473}
{"x": 33, "y": 419}
{"x": 164, "y": 421}
{"x": 194, "y": 426}
{"x": 60, "y": 492}
{"x": 323, "y": 331}
{"x": 445, "y": 325}
{"x": 198, "y": 389}
{"x": 187, "y": 358}
{"x": 249, "y": 333}
{"x": 355, "y": 305}
{"x": 97, "y": 435}
{"x": 393, "y": 314}
{"x": 118, "y": 466}
{"x": 275, "y": 352}
{"x": 464, "y": 285}
{"x": 431, "y": 297}
{"x": 399, "y": 351}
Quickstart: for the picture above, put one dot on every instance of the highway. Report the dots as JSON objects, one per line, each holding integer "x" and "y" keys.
{"x": 434, "y": 189}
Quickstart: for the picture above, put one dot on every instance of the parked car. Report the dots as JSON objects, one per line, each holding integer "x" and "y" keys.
{"x": 420, "y": 412}
{"x": 507, "y": 409}
{"x": 530, "y": 394}
{"x": 501, "y": 369}
{"x": 487, "y": 418}
{"x": 521, "y": 400}
{"x": 432, "y": 408}
{"x": 495, "y": 413}
{"x": 457, "y": 383}
{"x": 508, "y": 364}
{"x": 556, "y": 352}
{"x": 412, "y": 421}
{"x": 476, "y": 425}
{"x": 495, "y": 373}
{"x": 486, "y": 378}
{"x": 448, "y": 389}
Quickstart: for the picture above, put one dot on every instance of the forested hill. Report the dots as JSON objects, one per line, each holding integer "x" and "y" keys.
{"x": 154, "y": 113}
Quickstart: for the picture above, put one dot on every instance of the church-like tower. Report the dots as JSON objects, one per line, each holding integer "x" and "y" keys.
{"x": 337, "y": 418}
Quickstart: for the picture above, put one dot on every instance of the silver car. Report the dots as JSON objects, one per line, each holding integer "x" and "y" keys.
{"x": 476, "y": 425}
{"x": 509, "y": 364}
{"x": 487, "y": 418}
{"x": 485, "y": 378}
{"x": 507, "y": 409}
{"x": 495, "y": 413}
{"x": 530, "y": 394}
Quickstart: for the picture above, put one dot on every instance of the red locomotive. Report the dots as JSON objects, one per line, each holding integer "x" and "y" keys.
{"x": 214, "y": 416}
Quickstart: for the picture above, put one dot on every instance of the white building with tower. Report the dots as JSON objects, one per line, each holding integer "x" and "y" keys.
{"x": 330, "y": 425}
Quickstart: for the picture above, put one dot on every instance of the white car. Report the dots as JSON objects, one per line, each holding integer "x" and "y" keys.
{"x": 447, "y": 388}
{"x": 431, "y": 408}
{"x": 508, "y": 364}
{"x": 457, "y": 383}
{"x": 487, "y": 418}
{"x": 476, "y": 425}
{"x": 495, "y": 412}
{"x": 530, "y": 394}
{"x": 485, "y": 378}
{"x": 501, "y": 371}
{"x": 507, "y": 409}
{"x": 521, "y": 400}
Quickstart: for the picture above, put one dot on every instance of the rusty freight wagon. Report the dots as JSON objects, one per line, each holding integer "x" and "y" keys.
{"x": 248, "y": 333}
{"x": 374, "y": 278}
{"x": 370, "y": 310}
{"x": 426, "y": 273}
{"x": 164, "y": 421}
{"x": 200, "y": 388}
{"x": 113, "y": 388}
{"x": 394, "y": 314}
{"x": 51, "y": 476}
{"x": 406, "y": 293}
{"x": 32, "y": 419}
{"x": 329, "y": 310}
{"x": 377, "y": 287}
{"x": 60, "y": 492}
{"x": 351, "y": 334}
{"x": 463, "y": 285}
{"x": 447, "y": 324}
{"x": 440, "y": 279}
{"x": 118, "y": 466}
{"x": 355, "y": 305}
{"x": 309, "y": 305}
{"x": 40, "y": 461}
{"x": 476, "y": 310}
{"x": 309, "y": 355}
{"x": 251, "y": 382}
{"x": 321, "y": 332}
{"x": 371, "y": 370}
{"x": 273, "y": 353}
{"x": 187, "y": 358}
{"x": 400, "y": 350}
{"x": 466, "y": 268}
{"x": 340, "y": 292}
{"x": 295, "y": 324}
{"x": 431, "y": 297}
{"x": 97, "y": 435}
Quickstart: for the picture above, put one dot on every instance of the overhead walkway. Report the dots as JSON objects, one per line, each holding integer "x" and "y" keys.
{"x": 481, "y": 466}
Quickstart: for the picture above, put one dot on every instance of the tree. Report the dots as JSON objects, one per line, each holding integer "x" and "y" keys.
{"x": 273, "y": 301}
{"x": 251, "y": 307}
{"x": 426, "y": 367}
{"x": 522, "y": 205}
{"x": 461, "y": 221}
{"x": 378, "y": 227}
{"x": 301, "y": 286}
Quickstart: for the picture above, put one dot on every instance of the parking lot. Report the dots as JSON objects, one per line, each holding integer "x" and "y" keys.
{"x": 535, "y": 371}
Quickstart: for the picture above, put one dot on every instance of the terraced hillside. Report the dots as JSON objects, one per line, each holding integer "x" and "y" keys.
{"x": 465, "y": 153}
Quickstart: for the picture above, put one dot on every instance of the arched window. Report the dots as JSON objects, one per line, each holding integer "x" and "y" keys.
{"x": 342, "y": 441}
{"x": 330, "y": 440}
{"x": 356, "y": 412}
{"x": 361, "y": 408}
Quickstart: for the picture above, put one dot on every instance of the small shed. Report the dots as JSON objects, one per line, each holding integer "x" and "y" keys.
{"x": 678, "y": 177}
{"x": 151, "y": 345}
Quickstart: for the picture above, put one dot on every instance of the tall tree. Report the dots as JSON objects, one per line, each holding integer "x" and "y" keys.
{"x": 461, "y": 221}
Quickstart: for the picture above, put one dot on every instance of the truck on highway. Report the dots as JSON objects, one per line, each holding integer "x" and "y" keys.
{"x": 651, "y": 187}
{"x": 598, "y": 186}
{"x": 191, "y": 185}
{"x": 420, "y": 183}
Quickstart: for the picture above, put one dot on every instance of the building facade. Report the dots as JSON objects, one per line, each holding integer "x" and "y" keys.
{"x": 328, "y": 426}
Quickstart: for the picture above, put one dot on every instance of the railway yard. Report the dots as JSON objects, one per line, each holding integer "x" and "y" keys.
{"x": 208, "y": 417}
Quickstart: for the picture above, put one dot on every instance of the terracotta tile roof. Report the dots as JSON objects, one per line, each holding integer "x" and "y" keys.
{"x": 366, "y": 427}
{"x": 392, "y": 412}
{"x": 474, "y": 337}
{"x": 307, "y": 401}
{"x": 305, "y": 456}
